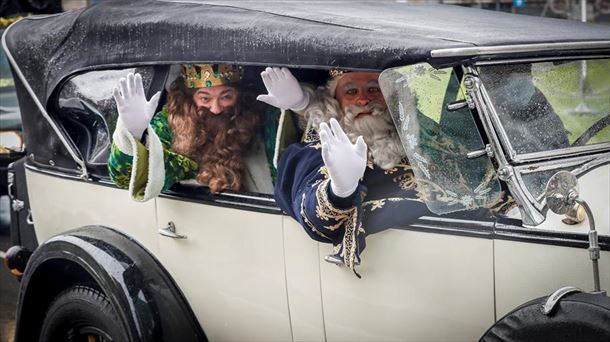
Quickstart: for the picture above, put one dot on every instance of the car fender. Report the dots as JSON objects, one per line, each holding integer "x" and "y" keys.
{"x": 149, "y": 304}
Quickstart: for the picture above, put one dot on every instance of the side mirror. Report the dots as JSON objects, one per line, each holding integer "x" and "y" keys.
{"x": 561, "y": 194}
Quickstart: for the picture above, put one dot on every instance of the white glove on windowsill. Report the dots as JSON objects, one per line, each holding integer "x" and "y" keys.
{"x": 344, "y": 161}
{"x": 134, "y": 111}
{"x": 284, "y": 91}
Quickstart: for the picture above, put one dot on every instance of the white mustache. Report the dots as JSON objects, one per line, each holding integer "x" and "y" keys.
{"x": 375, "y": 107}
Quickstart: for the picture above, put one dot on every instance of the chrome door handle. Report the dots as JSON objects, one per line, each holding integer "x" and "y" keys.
{"x": 170, "y": 231}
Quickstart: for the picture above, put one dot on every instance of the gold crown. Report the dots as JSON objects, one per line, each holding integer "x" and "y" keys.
{"x": 210, "y": 75}
{"x": 337, "y": 72}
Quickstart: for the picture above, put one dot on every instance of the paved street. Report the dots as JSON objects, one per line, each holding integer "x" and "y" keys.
{"x": 9, "y": 286}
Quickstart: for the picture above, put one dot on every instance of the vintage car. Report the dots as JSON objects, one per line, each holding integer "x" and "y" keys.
{"x": 527, "y": 96}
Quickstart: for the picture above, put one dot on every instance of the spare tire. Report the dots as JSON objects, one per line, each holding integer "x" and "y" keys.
{"x": 577, "y": 317}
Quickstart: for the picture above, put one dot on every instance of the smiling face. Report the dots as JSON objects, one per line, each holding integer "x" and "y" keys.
{"x": 359, "y": 90}
{"x": 216, "y": 99}
{"x": 366, "y": 114}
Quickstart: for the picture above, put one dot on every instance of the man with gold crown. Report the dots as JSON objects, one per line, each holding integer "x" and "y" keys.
{"x": 210, "y": 130}
{"x": 349, "y": 177}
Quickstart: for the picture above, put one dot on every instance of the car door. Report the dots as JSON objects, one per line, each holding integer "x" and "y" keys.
{"x": 230, "y": 265}
{"x": 415, "y": 280}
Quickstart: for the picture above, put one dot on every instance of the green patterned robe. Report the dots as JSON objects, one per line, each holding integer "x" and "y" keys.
{"x": 120, "y": 163}
{"x": 157, "y": 167}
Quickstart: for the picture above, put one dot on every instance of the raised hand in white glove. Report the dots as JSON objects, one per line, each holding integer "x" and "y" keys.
{"x": 284, "y": 91}
{"x": 134, "y": 111}
{"x": 344, "y": 161}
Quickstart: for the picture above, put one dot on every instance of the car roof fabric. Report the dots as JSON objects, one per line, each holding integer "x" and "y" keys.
{"x": 354, "y": 34}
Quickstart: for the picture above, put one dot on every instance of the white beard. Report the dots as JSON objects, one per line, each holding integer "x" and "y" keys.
{"x": 377, "y": 129}
{"x": 378, "y": 132}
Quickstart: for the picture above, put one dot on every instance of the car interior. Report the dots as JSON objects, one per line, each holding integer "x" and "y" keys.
{"x": 88, "y": 115}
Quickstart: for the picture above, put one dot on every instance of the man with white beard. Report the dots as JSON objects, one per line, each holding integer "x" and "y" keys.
{"x": 349, "y": 177}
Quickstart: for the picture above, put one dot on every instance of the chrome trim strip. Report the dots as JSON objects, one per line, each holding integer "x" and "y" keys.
{"x": 538, "y": 59}
{"x": 506, "y": 232}
{"x": 598, "y": 161}
{"x": 564, "y": 152}
{"x": 553, "y": 239}
{"x": 495, "y": 119}
{"x": 250, "y": 205}
{"x": 588, "y": 161}
{"x": 105, "y": 182}
{"x": 271, "y": 209}
{"x": 448, "y": 220}
{"x": 528, "y": 194}
{"x": 74, "y": 154}
{"x": 479, "y": 99}
{"x": 430, "y": 228}
{"x": 266, "y": 199}
{"x": 530, "y": 214}
{"x": 517, "y": 48}
{"x": 52, "y": 173}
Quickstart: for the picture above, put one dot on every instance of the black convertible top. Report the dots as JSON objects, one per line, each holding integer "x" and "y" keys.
{"x": 354, "y": 34}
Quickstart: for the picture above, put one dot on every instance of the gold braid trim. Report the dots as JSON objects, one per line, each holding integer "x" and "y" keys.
{"x": 326, "y": 211}
{"x": 307, "y": 222}
{"x": 380, "y": 203}
{"x": 310, "y": 135}
{"x": 349, "y": 240}
{"x": 347, "y": 217}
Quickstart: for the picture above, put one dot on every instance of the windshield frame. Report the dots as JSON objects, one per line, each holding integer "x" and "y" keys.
{"x": 511, "y": 153}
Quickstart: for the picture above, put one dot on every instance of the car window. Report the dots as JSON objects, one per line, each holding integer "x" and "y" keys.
{"x": 87, "y": 110}
{"x": 437, "y": 141}
{"x": 550, "y": 106}
{"x": 210, "y": 138}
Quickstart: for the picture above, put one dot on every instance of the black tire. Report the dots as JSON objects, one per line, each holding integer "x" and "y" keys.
{"x": 580, "y": 317}
{"x": 80, "y": 312}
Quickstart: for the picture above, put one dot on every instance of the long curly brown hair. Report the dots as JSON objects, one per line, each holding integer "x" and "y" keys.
{"x": 219, "y": 143}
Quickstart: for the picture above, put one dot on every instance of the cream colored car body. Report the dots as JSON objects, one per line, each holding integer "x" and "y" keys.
{"x": 257, "y": 276}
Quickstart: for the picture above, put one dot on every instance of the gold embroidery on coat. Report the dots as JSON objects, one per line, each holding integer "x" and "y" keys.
{"x": 345, "y": 217}
{"x": 307, "y": 222}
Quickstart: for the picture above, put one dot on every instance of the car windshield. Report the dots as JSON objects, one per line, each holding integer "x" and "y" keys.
{"x": 551, "y": 105}
{"x": 437, "y": 140}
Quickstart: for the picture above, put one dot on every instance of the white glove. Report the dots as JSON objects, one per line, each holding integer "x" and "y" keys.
{"x": 134, "y": 111}
{"x": 344, "y": 161}
{"x": 284, "y": 90}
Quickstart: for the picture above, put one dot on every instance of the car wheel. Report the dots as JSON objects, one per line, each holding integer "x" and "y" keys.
{"x": 81, "y": 313}
{"x": 580, "y": 317}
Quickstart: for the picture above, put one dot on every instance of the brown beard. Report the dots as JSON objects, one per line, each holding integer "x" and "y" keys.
{"x": 218, "y": 143}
